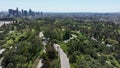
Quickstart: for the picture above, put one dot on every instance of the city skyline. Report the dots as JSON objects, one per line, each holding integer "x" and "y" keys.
{"x": 63, "y": 5}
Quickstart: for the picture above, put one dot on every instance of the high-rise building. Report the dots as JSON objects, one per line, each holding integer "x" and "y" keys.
{"x": 17, "y": 12}
{"x": 41, "y": 13}
{"x": 30, "y": 12}
{"x": 11, "y": 12}
{"x": 22, "y": 11}
{"x": 25, "y": 13}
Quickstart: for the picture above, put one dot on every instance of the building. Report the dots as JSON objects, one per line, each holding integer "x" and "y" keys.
{"x": 22, "y": 13}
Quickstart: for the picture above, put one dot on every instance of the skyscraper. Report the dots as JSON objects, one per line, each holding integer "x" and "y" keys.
{"x": 30, "y": 12}
{"x": 16, "y": 12}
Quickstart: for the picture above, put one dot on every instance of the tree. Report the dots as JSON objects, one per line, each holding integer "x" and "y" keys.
{"x": 10, "y": 65}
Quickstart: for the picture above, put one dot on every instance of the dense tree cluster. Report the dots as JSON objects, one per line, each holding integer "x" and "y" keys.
{"x": 23, "y": 51}
{"x": 97, "y": 44}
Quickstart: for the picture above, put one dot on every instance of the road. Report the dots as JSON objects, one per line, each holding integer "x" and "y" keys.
{"x": 108, "y": 45}
{"x": 41, "y": 35}
{"x": 5, "y": 22}
{"x": 40, "y": 64}
{"x": 1, "y": 61}
{"x": 73, "y": 36}
{"x": 2, "y": 50}
{"x": 63, "y": 57}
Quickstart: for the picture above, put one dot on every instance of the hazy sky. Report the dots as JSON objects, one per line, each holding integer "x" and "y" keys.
{"x": 63, "y": 5}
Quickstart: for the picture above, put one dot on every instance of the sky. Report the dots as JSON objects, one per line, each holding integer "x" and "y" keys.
{"x": 62, "y": 5}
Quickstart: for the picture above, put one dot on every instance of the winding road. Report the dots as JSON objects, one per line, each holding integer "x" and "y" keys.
{"x": 41, "y": 35}
{"x": 63, "y": 57}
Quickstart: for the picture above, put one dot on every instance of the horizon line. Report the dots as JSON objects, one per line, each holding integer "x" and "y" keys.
{"x": 7, "y": 10}
{"x": 72, "y": 11}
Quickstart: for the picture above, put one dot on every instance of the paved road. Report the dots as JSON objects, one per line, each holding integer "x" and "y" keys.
{"x": 40, "y": 64}
{"x": 41, "y": 35}
{"x": 73, "y": 36}
{"x": 63, "y": 57}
